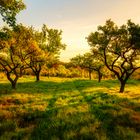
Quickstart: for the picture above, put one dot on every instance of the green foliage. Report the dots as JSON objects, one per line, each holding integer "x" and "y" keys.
{"x": 9, "y": 9}
{"x": 54, "y": 41}
{"x": 118, "y": 47}
{"x": 15, "y": 51}
{"x": 50, "y": 43}
{"x": 77, "y": 61}
{"x": 90, "y": 62}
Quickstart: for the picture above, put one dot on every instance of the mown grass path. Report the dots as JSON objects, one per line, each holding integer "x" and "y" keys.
{"x": 69, "y": 109}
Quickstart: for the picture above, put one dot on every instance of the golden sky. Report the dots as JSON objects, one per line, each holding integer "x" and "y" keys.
{"x": 77, "y": 18}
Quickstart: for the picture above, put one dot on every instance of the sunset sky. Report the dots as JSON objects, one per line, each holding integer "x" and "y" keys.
{"x": 77, "y": 18}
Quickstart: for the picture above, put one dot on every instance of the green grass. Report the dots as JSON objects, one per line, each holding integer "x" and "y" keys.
{"x": 69, "y": 109}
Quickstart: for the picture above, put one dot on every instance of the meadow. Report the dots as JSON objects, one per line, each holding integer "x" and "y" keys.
{"x": 69, "y": 109}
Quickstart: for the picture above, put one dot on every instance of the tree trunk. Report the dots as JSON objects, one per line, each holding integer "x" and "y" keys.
{"x": 13, "y": 82}
{"x": 122, "y": 86}
{"x": 37, "y": 76}
{"x": 123, "y": 82}
{"x": 89, "y": 75}
{"x": 99, "y": 76}
{"x": 48, "y": 73}
{"x": 36, "y": 70}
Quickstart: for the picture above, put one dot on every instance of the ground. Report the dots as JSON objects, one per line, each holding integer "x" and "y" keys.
{"x": 69, "y": 109}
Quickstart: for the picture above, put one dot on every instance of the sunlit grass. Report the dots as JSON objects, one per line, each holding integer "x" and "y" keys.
{"x": 69, "y": 109}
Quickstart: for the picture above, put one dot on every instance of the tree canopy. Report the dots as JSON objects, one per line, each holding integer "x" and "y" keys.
{"x": 9, "y": 9}
{"x": 90, "y": 62}
{"x": 50, "y": 43}
{"x": 15, "y": 51}
{"x": 119, "y": 47}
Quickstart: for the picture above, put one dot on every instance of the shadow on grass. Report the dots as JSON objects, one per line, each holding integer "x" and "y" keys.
{"x": 50, "y": 86}
{"x": 112, "y": 112}
{"x": 94, "y": 83}
{"x": 115, "y": 121}
{"x": 37, "y": 87}
{"x": 105, "y": 118}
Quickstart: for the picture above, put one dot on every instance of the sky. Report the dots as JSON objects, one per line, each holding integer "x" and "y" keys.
{"x": 77, "y": 18}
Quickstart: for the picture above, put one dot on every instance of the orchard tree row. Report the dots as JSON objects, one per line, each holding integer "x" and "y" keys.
{"x": 113, "y": 48}
{"x": 117, "y": 48}
{"x": 24, "y": 47}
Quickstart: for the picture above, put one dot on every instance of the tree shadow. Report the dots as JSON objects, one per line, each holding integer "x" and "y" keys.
{"x": 43, "y": 87}
{"x": 112, "y": 112}
{"x": 104, "y": 119}
{"x": 105, "y": 108}
{"x": 113, "y": 123}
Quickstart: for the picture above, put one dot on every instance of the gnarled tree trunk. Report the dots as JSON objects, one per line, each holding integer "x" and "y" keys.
{"x": 12, "y": 81}
{"x": 122, "y": 86}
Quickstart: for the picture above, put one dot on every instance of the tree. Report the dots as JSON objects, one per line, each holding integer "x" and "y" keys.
{"x": 15, "y": 51}
{"x": 77, "y": 62}
{"x": 54, "y": 42}
{"x": 50, "y": 43}
{"x": 4, "y": 36}
{"x": 119, "y": 47}
{"x": 37, "y": 60}
{"x": 53, "y": 46}
{"x": 92, "y": 62}
{"x": 9, "y": 9}
{"x": 52, "y": 66}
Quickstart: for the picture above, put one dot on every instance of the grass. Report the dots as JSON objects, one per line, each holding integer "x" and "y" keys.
{"x": 69, "y": 109}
